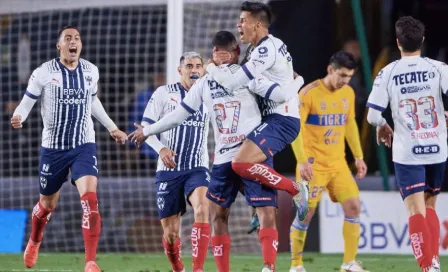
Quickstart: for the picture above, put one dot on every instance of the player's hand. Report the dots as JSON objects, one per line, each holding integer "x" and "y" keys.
{"x": 167, "y": 156}
{"x": 16, "y": 121}
{"x": 221, "y": 56}
{"x": 137, "y": 136}
{"x": 306, "y": 172}
{"x": 362, "y": 168}
{"x": 119, "y": 136}
{"x": 384, "y": 135}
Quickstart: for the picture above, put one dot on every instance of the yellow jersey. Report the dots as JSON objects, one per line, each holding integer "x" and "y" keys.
{"x": 327, "y": 119}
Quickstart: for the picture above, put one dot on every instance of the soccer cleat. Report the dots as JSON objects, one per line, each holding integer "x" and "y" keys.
{"x": 254, "y": 224}
{"x": 353, "y": 266}
{"x": 436, "y": 263}
{"x": 265, "y": 269}
{"x": 31, "y": 253}
{"x": 92, "y": 267}
{"x": 299, "y": 268}
{"x": 301, "y": 199}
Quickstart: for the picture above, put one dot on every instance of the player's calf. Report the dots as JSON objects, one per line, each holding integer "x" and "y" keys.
{"x": 268, "y": 236}
{"x": 91, "y": 224}
{"x": 221, "y": 237}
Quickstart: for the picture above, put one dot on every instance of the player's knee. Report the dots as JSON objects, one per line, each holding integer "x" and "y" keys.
{"x": 352, "y": 207}
{"x": 170, "y": 235}
{"x": 267, "y": 216}
{"x": 49, "y": 203}
{"x": 201, "y": 213}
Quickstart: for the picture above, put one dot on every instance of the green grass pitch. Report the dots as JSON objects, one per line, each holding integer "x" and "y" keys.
{"x": 49, "y": 262}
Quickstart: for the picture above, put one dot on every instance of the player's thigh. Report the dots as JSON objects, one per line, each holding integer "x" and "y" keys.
{"x": 170, "y": 194}
{"x": 250, "y": 152}
{"x": 224, "y": 185}
{"x": 343, "y": 187}
{"x": 271, "y": 137}
{"x": 435, "y": 174}
{"x": 410, "y": 179}
{"x": 196, "y": 186}
{"x": 258, "y": 195}
{"x": 49, "y": 202}
{"x": 85, "y": 168}
{"x": 54, "y": 167}
{"x": 317, "y": 186}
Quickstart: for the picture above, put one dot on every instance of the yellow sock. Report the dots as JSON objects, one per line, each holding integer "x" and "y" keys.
{"x": 297, "y": 238}
{"x": 351, "y": 231}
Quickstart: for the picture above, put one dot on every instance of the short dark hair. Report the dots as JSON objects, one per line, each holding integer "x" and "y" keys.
{"x": 343, "y": 59}
{"x": 67, "y": 27}
{"x": 259, "y": 10}
{"x": 225, "y": 40}
{"x": 410, "y": 33}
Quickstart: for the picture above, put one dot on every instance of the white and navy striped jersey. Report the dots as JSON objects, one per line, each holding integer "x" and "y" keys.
{"x": 234, "y": 115}
{"x": 66, "y": 98}
{"x": 272, "y": 58}
{"x": 188, "y": 140}
{"x": 413, "y": 86}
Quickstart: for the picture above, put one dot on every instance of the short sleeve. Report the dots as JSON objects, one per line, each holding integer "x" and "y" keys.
{"x": 379, "y": 98}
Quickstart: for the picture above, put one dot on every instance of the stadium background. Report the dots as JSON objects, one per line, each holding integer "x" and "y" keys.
{"x": 128, "y": 42}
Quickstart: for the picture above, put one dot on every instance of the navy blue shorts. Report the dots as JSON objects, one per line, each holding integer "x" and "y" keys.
{"x": 174, "y": 187}
{"x": 275, "y": 133}
{"x": 412, "y": 179}
{"x": 225, "y": 185}
{"x": 55, "y": 165}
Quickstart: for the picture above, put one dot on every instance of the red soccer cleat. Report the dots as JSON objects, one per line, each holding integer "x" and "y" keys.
{"x": 31, "y": 253}
{"x": 92, "y": 267}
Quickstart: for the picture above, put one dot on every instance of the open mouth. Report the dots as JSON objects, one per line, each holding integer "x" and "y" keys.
{"x": 194, "y": 77}
{"x": 73, "y": 50}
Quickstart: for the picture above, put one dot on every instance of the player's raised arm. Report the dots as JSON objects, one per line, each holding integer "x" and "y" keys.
{"x": 273, "y": 91}
{"x": 32, "y": 93}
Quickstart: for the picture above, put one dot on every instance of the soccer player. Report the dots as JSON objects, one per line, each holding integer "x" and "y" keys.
{"x": 281, "y": 123}
{"x": 413, "y": 85}
{"x": 68, "y": 88}
{"x": 182, "y": 168}
{"x": 234, "y": 116}
{"x": 327, "y": 112}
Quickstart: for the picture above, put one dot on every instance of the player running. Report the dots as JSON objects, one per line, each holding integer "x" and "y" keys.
{"x": 68, "y": 88}
{"x": 182, "y": 168}
{"x": 234, "y": 116}
{"x": 413, "y": 85}
{"x": 280, "y": 121}
{"x": 327, "y": 112}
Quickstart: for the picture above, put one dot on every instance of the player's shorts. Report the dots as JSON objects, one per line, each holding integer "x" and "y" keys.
{"x": 412, "y": 179}
{"x": 275, "y": 133}
{"x": 175, "y": 187}
{"x": 55, "y": 165}
{"x": 225, "y": 185}
{"x": 340, "y": 186}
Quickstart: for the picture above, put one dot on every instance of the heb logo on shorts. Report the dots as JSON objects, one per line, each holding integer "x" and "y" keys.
{"x": 258, "y": 169}
{"x": 192, "y": 123}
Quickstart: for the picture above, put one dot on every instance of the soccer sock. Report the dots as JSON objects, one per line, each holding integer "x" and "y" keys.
{"x": 172, "y": 251}
{"x": 91, "y": 224}
{"x": 39, "y": 220}
{"x": 266, "y": 175}
{"x": 200, "y": 238}
{"x": 351, "y": 232}
{"x": 221, "y": 252}
{"x": 269, "y": 245}
{"x": 297, "y": 237}
{"x": 420, "y": 240}
{"x": 432, "y": 220}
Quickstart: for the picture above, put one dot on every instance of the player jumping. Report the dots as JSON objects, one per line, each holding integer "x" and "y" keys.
{"x": 234, "y": 116}
{"x": 413, "y": 85}
{"x": 280, "y": 124}
{"x": 182, "y": 168}
{"x": 327, "y": 112}
{"x": 68, "y": 88}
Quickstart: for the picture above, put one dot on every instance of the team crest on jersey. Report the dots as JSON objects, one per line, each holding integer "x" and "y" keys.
{"x": 344, "y": 104}
{"x": 262, "y": 50}
{"x": 88, "y": 80}
{"x": 323, "y": 105}
{"x": 432, "y": 75}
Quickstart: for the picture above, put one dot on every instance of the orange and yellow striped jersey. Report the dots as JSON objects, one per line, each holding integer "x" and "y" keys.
{"x": 327, "y": 119}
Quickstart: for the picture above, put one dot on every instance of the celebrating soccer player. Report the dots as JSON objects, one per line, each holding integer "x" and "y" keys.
{"x": 183, "y": 163}
{"x": 413, "y": 85}
{"x": 234, "y": 116}
{"x": 280, "y": 121}
{"x": 327, "y": 112}
{"x": 68, "y": 88}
